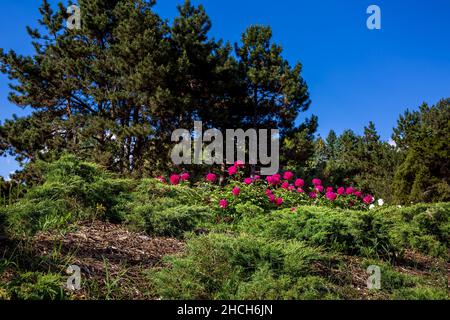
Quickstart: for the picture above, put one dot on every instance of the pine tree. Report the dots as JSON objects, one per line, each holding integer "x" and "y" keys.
{"x": 113, "y": 91}
{"x": 276, "y": 92}
{"x": 424, "y": 138}
{"x": 297, "y": 147}
{"x": 95, "y": 85}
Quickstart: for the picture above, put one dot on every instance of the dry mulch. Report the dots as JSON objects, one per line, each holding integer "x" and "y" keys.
{"x": 97, "y": 241}
{"x": 99, "y": 248}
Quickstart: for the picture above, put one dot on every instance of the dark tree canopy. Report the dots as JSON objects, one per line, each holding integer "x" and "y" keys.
{"x": 424, "y": 138}
{"x": 114, "y": 90}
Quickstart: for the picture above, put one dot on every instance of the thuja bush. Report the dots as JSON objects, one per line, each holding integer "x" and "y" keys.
{"x": 71, "y": 190}
{"x": 221, "y": 266}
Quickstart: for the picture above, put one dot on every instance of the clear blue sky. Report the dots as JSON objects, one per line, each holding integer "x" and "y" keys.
{"x": 355, "y": 75}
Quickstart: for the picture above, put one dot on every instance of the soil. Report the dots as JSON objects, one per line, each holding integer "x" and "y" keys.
{"x": 110, "y": 257}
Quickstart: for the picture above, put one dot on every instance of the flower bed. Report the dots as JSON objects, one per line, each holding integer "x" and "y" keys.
{"x": 278, "y": 190}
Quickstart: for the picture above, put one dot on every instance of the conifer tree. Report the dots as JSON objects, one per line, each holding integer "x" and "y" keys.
{"x": 423, "y": 137}
{"x": 276, "y": 91}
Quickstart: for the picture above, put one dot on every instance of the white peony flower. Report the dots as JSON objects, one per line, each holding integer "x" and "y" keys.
{"x": 380, "y": 202}
{"x": 372, "y": 206}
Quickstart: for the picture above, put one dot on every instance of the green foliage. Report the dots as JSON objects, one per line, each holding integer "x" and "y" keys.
{"x": 172, "y": 221}
{"x": 383, "y": 232}
{"x": 338, "y": 230}
{"x": 166, "y": 210}
{"x": 276, "y": 91}
{"x": 349, "y": 159}
{"x": 37, "y": 286}
{"x": 420, "y": 293}
{"x": 423, "y": 136}
{"x": 72, "y": 190}
{"x": 265, "y": 286}
{"x": 113, "y": 91}
{"x": 298, "y": 147}
{"x": 281, "y": 255}
{"x": 422, "y": 227}
{"x": 219, "y": 266}
{"x": 10, "y": 191}
{"x": 391, "y": 280}
{"x": 250, "y": 250}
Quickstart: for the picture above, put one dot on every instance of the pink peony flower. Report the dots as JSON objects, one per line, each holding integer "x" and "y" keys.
{"x": 256, "y": 177}
{"x": 174, "y": 179}
{"x": 313, "y": 195}
{"x": 331, "y": 195}
{"x": 273, "y": 180}
{"x": 161, "y": 179}
{"x": 299, "y": 183}
{"x": 276, "y": 178}
{"x": 185, "y": 176}
{"x": 279, "y": 201}
{"x": 358, "y": 194}
{"x": 329, "y": 189}
{"x": 341, "y": 190}
{"x": 368, "y": 199}
{"x": 293, "y": 209}
{"x": 285, "y": 185}
{"x": 349, "y": 190}
{"x": 239, "y": 164}
{"x": 319, "y": 188}
{"x": 291, "y": 188}
{"x": 268, "y": 191}
{"x": 271, "y": 198}
{"x": 288, "y": 175}
{"x": 248, "y": 181}
{"x": 317, "y": 182}
{"x": 223, "y": 203}
{"x": 300, "y": 190}
{"x": 232, "y": 170}
{"x": 236, "y": 191}
{"x": 211, "y": 177}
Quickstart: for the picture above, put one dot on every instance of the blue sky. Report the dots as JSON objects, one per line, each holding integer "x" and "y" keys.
{"x": 355, "y": 75}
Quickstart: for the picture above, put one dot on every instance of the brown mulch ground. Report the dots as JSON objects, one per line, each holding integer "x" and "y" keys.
{"x": 97, "y": 241}
{"x": 99, "y": 248}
